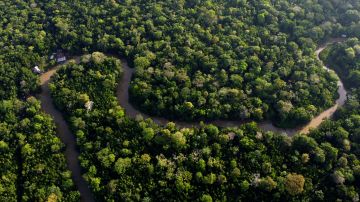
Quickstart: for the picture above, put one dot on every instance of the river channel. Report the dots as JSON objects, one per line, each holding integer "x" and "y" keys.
{"x": 122, "y": 94}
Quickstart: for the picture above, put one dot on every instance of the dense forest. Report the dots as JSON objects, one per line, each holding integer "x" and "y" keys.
{"x": 193, "y": 60}
{"x": 345, "y": 60}
{"x": 206, "y": 163}
{"x": 262, "y": 68}
{"x": 33, "y": 164}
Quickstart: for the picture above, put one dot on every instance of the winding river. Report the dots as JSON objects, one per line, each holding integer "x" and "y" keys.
{"x": 64, "y": 133}
{"x": 122, "y": 94}
{"x": 131, "y": 111}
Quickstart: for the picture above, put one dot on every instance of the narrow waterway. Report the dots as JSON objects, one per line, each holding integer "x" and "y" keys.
{"x": 123, "y": 98}
{"x": 122, "y": 94}
{"x": 315, "y": 122}
{"x": 131, "y": 111}
{"x": 64, "y": 133}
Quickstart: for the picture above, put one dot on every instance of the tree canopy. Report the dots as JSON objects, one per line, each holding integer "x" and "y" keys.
{"x": 193, "y": 60}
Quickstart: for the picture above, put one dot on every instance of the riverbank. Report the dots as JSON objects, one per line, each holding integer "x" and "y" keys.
{"x": 64, "y": 133}
{"x": 72, "y": 154}
{"x": 123, "y": 98}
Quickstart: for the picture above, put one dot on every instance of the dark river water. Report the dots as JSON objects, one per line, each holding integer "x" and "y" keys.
{"x": 131, "y": 111}
{"x": 122, "y": 94}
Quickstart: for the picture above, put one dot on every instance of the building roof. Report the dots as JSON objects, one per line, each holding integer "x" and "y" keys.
{"x": 61, "y": 59}
{"x": 36, "y": 69}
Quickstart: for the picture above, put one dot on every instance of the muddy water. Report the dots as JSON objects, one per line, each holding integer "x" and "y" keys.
{"x": 315, "y": 122}
{"x": 131, "y": 111}
{"x": 122, "y": 94}
{"x": 64, "y": 133}
{"x": 123, "y": 98}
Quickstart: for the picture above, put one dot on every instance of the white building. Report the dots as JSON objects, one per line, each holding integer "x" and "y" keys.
{"x": 61, "y": 59}
{"x": 36, "y": 70}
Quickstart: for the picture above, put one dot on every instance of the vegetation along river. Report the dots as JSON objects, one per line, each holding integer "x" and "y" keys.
{"x": 123, "y": 98}
{"x": 63, "y": 131}
{"x": 69, "y": 139}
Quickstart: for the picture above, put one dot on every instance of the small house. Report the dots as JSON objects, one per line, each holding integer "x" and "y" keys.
{"x": 60, "y": 57}
{"x": 343, "y": 35}
{"x": 36, "y": 70}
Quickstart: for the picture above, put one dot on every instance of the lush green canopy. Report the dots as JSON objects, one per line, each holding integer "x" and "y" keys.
{"x": 127, "y": 159}
{"x": 235, "y": 59}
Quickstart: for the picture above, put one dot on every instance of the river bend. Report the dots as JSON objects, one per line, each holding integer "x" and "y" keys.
{"x": 122, "y": 94}
{"x": 131, "y": 111}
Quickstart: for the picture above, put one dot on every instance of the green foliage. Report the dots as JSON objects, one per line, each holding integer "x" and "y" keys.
{"x": 221, "y": 57}
{"x": 294, "y": 184}
{"x": 34, "y": 167}
{"x": 345, "y": 59}
{"x": 131, "y": 159}
{"x": 243, "y": 59}
{"x": 208, "y": 78}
